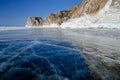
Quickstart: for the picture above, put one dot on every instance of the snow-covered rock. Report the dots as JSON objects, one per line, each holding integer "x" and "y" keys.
{"x": 87, "y": 14}
{"x": 34, "y": 21}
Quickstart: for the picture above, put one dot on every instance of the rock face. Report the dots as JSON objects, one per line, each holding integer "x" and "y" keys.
{"x": 57, "y": 18}
{"x": 34, "y": 21}
{"x": 86, "y": 7}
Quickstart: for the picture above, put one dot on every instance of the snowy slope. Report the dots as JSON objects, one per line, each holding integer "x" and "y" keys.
{"x": 108, "y": 17}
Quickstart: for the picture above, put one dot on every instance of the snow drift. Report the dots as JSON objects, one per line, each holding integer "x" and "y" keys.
{"x": 107, "y": 17}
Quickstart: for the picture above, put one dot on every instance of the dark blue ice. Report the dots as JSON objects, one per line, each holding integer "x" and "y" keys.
{"x": 40, "y": 55}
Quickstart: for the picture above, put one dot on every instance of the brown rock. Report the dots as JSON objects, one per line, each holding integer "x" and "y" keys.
{"x": 34, "y": 21}
{"x": 86, "y": 7}
{"x": 57, "y": 18}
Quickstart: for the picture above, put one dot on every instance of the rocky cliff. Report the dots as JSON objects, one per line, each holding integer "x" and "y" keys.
{"x": 34, "y": 21}
{"x": 86, "y": 7}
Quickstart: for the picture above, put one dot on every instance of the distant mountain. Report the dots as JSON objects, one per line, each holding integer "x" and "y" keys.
{"x": 87, "y": 7}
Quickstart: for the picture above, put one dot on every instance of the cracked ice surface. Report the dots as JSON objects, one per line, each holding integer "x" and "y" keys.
{"x": 101, "y": 50}
{"x": 40, "y": 54}
{"x": 60, "y": 54}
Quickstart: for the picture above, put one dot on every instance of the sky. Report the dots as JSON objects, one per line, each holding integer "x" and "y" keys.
{"x": 16, "y": 12}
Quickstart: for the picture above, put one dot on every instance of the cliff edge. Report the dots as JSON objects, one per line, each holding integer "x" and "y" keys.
{"x": 86, "y": 7}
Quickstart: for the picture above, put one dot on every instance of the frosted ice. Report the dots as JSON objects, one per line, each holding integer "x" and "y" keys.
{"x": 4, "y": 28}
{"x": 101, "y": 50}
{"x": 40, "y": 54}
{"x": 54, "y": 53}
{"x": 59, "y": 54}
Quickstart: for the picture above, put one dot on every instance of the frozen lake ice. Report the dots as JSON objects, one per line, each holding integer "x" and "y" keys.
{"x": 40, "y": 54}
{"x": 59, "y": 54}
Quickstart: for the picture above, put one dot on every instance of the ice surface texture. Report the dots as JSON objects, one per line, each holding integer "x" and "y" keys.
{"x": 60, "y": 54}
{"x": 40, "y": 55}
{"x": 101, "y": 50}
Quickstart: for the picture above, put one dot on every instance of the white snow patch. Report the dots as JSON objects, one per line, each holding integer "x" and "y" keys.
{"x": 51, "y": 26}
{"x": 45, "y": 26}
{"x": 3, "y": 28}
{"x": 108, "y": 17}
